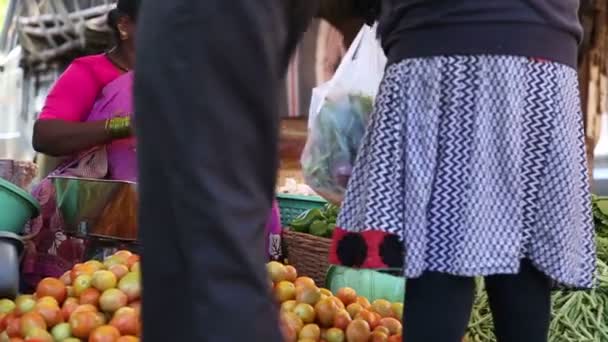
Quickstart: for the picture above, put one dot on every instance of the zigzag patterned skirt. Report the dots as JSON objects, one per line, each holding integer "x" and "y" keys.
{"x": 469, "y": 165}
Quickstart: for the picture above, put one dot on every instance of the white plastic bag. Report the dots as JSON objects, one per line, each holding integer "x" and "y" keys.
{"x": 338, "y": 116}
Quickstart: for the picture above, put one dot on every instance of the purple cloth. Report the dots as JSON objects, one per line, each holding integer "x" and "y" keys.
{"x": 116, "y": 100}
{"x": 273, "y": 232}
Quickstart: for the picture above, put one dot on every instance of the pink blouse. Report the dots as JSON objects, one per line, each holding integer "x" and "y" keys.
{"x": 73, "y": 95}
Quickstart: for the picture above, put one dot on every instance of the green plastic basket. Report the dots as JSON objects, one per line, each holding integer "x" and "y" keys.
{"x": 368, "y": 283}
{"x": 293, "y": 205}
{"x": 17, "y": 207}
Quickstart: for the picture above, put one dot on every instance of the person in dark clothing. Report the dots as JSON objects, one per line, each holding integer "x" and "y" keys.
{"x": 474, "y": 164}
{"x": 207, "y": 80}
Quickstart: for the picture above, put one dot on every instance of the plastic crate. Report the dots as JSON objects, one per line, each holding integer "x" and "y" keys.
{"x": 293, "y": 205}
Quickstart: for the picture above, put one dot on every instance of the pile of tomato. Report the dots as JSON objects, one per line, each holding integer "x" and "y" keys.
{"x": 100, "y": 302}
{"x": 95, "y": 302}
{"x": 312, "y": 314}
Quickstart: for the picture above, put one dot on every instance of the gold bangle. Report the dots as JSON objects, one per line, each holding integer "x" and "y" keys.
{"x": 119, "y": 127}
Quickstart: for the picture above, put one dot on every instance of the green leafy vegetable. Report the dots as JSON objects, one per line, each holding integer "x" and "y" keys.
{"x": 318, "y": 221}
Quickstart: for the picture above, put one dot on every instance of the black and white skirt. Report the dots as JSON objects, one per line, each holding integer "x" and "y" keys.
{"x": 469, "y": 165}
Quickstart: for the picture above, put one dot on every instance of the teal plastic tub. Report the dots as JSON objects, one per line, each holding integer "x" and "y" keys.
{"x": 293, "y": 205}
{"x": 368, "y": 283}
{"x": 17, "y": 207}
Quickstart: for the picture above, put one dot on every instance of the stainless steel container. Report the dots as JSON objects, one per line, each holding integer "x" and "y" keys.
{"x": 99, "y": 208}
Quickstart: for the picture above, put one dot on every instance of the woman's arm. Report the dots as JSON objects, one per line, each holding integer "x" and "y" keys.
{"x": 60, "y": 129}
{"x": 57, "y": 137}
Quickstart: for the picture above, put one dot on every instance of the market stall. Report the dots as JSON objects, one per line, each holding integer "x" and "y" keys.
{"x": 99, "y": 299}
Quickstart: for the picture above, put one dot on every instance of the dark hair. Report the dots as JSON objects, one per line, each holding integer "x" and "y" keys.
{"x": 124, "y": 8}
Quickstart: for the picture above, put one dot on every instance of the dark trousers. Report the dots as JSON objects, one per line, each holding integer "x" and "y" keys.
{"x": 438, "y": 306}
{"x": 207, "y": 79}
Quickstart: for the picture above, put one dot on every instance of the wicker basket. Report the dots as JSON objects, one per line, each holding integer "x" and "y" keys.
{"x": 308, "y": 254}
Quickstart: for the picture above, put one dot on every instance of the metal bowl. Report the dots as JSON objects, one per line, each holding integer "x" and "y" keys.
{"x": 99, "y": 208}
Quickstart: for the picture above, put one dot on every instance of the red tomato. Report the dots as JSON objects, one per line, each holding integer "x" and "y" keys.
{"x": 83, "y": 323}
{"x": 13, "y": 326}
{"x": 52, "y": 287}
{"x": 90, "y": 296}
{"x": 126, "y": 321}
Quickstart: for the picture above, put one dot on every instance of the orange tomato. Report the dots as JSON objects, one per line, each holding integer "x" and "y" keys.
{"x": 39, "y": 335}
{"x": 347, "y": 295}
{"x": 304, "y": 281}
{"x": 338, "y": 302}
{"x": 90, "y": 296}
{"x": 119, "y": 270}
{"x": 126, "y": 321}
{"x": 370, "y": 317}
{"x": 69, "y": 306}
{"x": 378, "y": 336}
{"x": 81, "y": 269}
{"x": 136, "y": 305}
{"x": 383, "y": 329}
{"x": 132, "y": 260}
{"x": 335, "y": 335}
{"x": 365, "y": 304}
{"x": 112, "y": 300}
{"x": 95, "y": 265}
{"x": 31, "y": 321}
{"x": 392, "y": 324}
{"x": 51, "y": 313}
{"x": 104, "y": 333}
{"x": 123, "y": 256}
{"x": 358, "y": 331}
{"x": 83, "y": 323}
{"x": 383, "y": 307}
{"x": 310, "y": 331}
{"x": 354, "y": 309}
{"x": 127, "y": 339}
{"x": 104, "y": 280}
{"x": 101, "y": 318}
{"x": 284, "y": 291}
{"x": 305, "y": 311}
{"x": 52, "y": 287}
{"x": 130, "y": 284}
{"x": 326, "y": 309}
{"x": 81, "y": 283}
{"x": 85, "y": 307}
{"x": 290, "y": 273}
{"x": 308, "y": 294}
{"x": 342, "y": 320}
{"x": 48, "y": 300}
{"x": 395, "y": 338}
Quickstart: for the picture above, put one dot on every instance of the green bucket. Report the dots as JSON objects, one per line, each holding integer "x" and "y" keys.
{"x": 17, "y": 207}
{"x": 368, "y": 283}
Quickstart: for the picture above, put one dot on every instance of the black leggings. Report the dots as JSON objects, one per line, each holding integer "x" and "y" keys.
{"x": 438, "y": 306}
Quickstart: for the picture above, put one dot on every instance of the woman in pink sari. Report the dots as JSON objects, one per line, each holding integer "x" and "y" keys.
{"x": 86, "y": 117}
